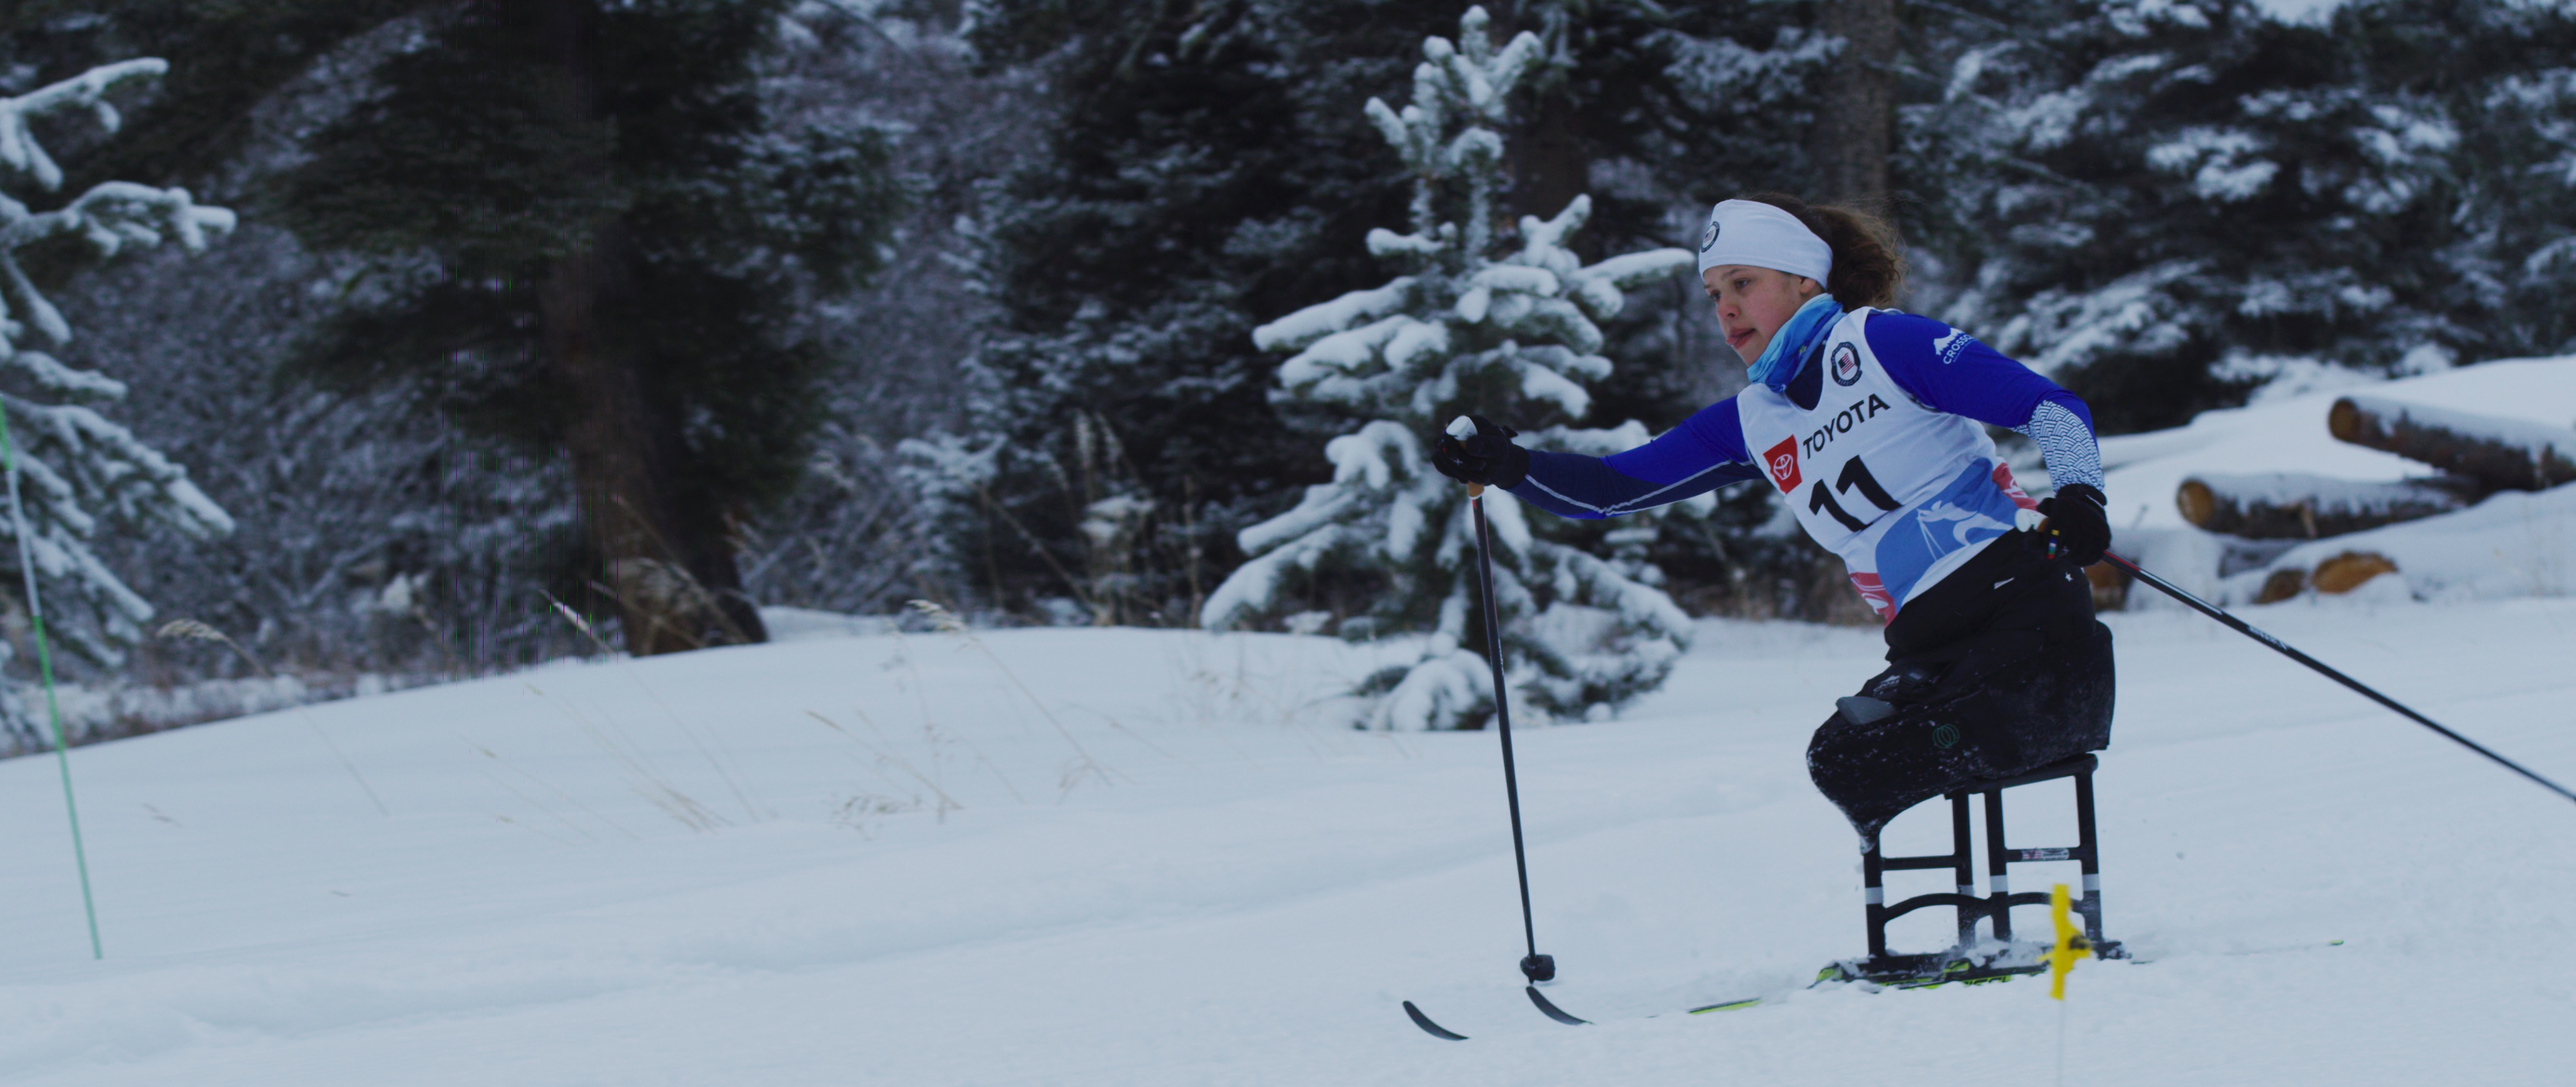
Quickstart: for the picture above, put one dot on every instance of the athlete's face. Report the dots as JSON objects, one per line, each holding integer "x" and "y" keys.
{"x": 1752, "y": 303}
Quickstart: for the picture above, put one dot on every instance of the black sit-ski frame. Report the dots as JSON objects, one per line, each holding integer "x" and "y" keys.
{"x": 1960, "y": 963}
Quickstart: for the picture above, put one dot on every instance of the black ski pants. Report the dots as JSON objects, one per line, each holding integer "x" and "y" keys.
{"x": 1999, "y": 668}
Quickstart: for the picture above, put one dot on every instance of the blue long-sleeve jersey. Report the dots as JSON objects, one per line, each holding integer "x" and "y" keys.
{"x": 1941, "y": 368}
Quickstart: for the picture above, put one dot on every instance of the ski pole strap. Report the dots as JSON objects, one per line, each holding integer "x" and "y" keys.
{"x": 2247, "y": 629}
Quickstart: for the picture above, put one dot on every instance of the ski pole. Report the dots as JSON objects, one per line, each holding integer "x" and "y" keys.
{"x": 1536, "y": 967}
{"x": 2247, "y": 629}
{"x": 45, "y": 669}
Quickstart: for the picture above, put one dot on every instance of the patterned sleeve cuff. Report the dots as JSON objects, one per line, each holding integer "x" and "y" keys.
{"x": 2066, "y": 443}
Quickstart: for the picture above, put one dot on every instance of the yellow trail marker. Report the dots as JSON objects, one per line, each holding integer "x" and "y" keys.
{"x": 2071, "y": 944}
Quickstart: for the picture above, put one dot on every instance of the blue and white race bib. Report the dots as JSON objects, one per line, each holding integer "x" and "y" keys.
{"x": 1903, "y": 493}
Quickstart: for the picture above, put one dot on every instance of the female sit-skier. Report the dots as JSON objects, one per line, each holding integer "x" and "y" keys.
{"x": 1871, "y": 423}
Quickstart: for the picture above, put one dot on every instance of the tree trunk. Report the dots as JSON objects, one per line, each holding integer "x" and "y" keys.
{"x": 1856, "y": 112}
{"x": 619, "y": 469}
{"x": 703, "y": 539}
{"x": 2291, "y": 506}
{"x": 1549, "y": 168}
{"x": 673, "y": 590}
{"x": 1546, "y": 156}
{"x": 2500, "y": 454}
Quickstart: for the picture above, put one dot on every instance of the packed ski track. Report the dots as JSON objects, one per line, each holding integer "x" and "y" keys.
{"x": 1146, "y": 857}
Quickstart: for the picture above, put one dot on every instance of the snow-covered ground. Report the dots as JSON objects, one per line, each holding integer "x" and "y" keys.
{"x": 1133, "y": 857}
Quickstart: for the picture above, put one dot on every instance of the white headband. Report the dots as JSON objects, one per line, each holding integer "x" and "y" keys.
{"x": 1749, "y": 232}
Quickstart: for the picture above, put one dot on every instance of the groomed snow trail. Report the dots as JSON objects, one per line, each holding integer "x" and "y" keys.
{"x": 1154, "y": 866}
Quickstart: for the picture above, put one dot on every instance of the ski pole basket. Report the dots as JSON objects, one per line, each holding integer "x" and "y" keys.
{"x": 1974, "y": 957}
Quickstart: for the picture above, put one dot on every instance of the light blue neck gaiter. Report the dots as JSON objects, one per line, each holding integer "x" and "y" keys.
{"x": 1789, "y": 346}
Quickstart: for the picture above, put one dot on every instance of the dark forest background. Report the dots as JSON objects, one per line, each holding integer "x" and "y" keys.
{"x": 673, "y": 310}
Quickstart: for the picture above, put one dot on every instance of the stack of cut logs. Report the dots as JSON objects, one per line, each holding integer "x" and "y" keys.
{"x": 2478, "y": 455}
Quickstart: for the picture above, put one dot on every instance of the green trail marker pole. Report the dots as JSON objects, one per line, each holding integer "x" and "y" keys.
{"x": 45, "y": 667}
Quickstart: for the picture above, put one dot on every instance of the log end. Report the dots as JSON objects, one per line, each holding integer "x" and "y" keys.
{"x": 2343, "y": 420}
{"x": 2348, "y": 571}
{"x": 2198, "y": 502}
{"x": 2282, "y": 585}
{"x": 2553, "y": 466}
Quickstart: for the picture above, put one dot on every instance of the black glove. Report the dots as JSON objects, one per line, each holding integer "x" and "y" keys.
{"x": 1488, "y": 457}
{"x": 2077, "y": 529}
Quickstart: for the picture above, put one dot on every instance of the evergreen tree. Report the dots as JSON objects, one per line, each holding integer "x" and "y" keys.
{"x": 1207, "y": 174}
{"x": 2506, "y": 74}
{"x": 1191, "y": 186}
{"x": 851, "y": 538}
{"x": 1478, "y": 321}
{"x": 374, "y": 537}
{"x": 577, "y": 226}
{"x": 75, "y": 470}
{"x": 2168, "y": 204}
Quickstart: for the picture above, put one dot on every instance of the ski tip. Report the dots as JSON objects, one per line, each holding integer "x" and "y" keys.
{"x": 1428, "y": 1027}
{"x": 1728, "y": 1006}
{"x": 1551, "y": 1010}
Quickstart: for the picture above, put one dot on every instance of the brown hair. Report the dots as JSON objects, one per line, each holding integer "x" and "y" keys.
{"x": 1867, "y": 267}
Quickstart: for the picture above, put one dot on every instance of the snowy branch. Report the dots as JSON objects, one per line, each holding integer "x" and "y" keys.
{"x": 18, "y": 147}
{"x": 77, "y": 468}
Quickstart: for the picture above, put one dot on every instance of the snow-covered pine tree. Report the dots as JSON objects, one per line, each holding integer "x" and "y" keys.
{"x": 1206, "y": 172}
{"x": 1200, "y": 158}
{"x": 1487, "y": 319}
{"x": 76, "y": 468}
{"x": 2517, "y": 150}
{"x": 2165, "y": 203}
